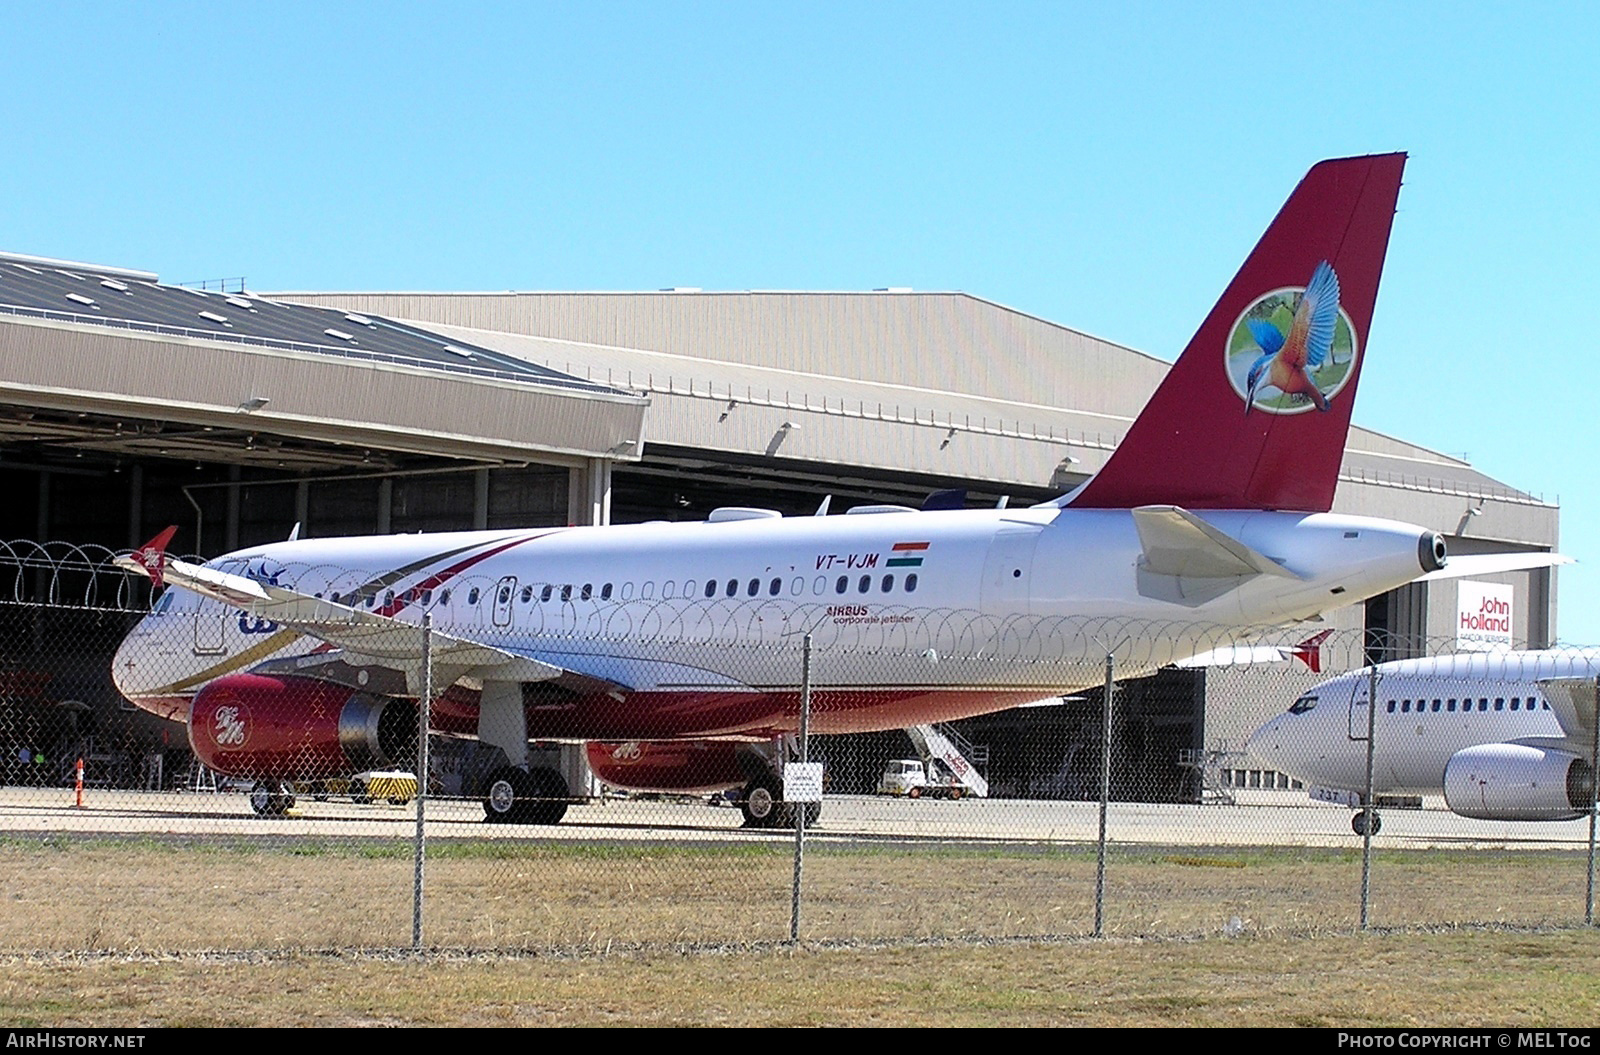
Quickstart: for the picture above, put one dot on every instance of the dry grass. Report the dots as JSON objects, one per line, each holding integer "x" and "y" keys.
{"x": 115, "y": 932}
{"x": 71, "y": 894}
{"x": 1484, "y": 978}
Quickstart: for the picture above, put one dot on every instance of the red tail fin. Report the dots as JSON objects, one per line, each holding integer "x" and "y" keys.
{"x": 1254, "y": 413}
{"x": 1309, "y": 651}
{"x": 152, "y": 556}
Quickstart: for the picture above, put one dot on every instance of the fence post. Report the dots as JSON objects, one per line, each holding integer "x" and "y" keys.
{"x": 420, "y": 842}
{"x": 1105, "y": 796}
{"x": 1594, "y": 793}
{"x": 1367, "y": 803}
{"x": 800, "y": 807}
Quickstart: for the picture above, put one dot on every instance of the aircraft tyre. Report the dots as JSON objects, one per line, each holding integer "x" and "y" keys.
{"x": 550, "y": 797}
{"x": 760, "y": 803}
{"x": 1358, "y": 822}
{"x": 915, "y": 793}
{"x": 506, "y": 800}
{"x": 271, "y": 798}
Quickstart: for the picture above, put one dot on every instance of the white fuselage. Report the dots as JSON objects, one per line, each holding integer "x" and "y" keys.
{"x": 1428, "y": 710}
{"x": 999, "y": 604}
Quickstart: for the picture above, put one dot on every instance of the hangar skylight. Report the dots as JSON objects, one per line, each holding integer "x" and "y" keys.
{"x": 44, "y": 288}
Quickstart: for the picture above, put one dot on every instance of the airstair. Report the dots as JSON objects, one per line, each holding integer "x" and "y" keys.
{"x": 955, "y": 753}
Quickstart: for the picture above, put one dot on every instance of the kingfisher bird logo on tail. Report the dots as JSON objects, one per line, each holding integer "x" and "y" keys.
{"x": 1289, "y": 374}
{"x": 1287, "y": 337}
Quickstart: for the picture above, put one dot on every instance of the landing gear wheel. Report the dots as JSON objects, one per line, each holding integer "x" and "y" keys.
{"x": 550, "y": 797}
{"x": 915, "y": 793}
{"x": 759, "y": 803}
{"x": 271, "y": 798}
{"x": 506, "y": 800}
{"x": 955, "y": 793}
{"x": 1359, "y": 822}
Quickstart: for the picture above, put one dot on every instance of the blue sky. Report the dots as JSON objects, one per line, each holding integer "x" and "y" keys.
{"x": 1102, "y": 166}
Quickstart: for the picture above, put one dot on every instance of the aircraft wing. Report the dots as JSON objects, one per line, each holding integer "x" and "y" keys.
{"x": 1494, "y": 563}
{"x": 1573, "y": 701}
{"x": 358, "y": 634}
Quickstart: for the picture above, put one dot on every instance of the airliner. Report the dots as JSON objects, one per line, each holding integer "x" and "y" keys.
{"x": 656, "y": 643}
{"x": 1504, "y": 735}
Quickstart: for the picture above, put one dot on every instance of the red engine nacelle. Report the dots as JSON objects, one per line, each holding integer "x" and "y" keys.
{"x": 689, "y": 766}
{"x": 264, "y": 727}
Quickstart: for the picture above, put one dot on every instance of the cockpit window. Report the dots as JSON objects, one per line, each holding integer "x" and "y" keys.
{"x": 1303, "y": 704}
{"x": 163, "y": 603}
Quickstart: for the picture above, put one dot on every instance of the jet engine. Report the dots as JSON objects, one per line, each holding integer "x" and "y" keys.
{"x": 292, "y": 728}
{"x": 688, "y": 766}
{"x": 1514, "y": 782}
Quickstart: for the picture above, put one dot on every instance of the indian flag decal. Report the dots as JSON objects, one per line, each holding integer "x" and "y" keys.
{"x": 906, "y": 555}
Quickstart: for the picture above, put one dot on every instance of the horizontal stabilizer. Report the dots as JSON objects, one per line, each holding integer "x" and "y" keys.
{"x": 1189, "y": 562}
{"x": 1459, "y": 567}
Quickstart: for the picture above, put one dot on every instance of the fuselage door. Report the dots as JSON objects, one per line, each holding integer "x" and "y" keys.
{"x": 210, "y": 621}
{"x": 1358, "y": 709}
{"x": 1008, "y": 568}
{"x": 505, "y": 592}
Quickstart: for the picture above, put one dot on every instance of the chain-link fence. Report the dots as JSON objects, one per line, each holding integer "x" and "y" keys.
{"x": 605, "y": 771}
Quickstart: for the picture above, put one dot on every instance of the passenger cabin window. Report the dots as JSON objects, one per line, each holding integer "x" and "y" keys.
{"x": 865, "y": 584}
{"x": 544, "y": 594}
{"x": 472, "y": 595}
{"x": 711, "y": 588}
{"x": 444, "y": 596}
{"x": 527, "y": 594}
{"x": 842, "y": 585}
{"x": 588, "y": 591}
{"x": 911, "y": 583}
{"x": 774, "y": 586}
{"x": 732, "y": 587}
{"x": 566, "y": 593}
{"x": 888, "y": 583}
{"x": 605, "y": 592}
{"x": 753, "y": 588}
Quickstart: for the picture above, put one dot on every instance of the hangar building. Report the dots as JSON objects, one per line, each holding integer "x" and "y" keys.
{"x": 127, "y": 404}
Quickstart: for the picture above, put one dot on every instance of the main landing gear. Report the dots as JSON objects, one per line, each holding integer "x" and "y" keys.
{"x": 271, "y": 798}
{"x": 518, "y": 796}
{"x": 762, "y": 804}
{"x": 1363, "y": 819}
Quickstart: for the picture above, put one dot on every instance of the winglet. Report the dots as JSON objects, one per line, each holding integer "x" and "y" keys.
{"x": 151, "y": 558}
{"x": 1309, "y": 651}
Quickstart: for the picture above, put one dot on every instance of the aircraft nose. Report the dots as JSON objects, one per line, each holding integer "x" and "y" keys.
{"x": 1265, "y": 742}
